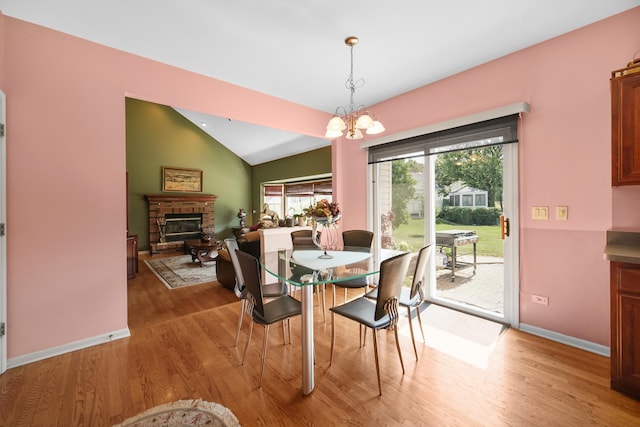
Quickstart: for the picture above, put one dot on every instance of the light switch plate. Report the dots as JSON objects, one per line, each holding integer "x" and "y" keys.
{"x": 540, "y": 212}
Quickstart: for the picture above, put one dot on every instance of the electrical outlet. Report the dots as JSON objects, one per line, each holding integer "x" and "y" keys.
{"x": 562, "y": 212}
{"x": 538, "y": 299}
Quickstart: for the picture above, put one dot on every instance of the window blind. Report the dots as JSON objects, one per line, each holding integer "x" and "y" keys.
{"x": 502, "y": 130}
{"x": 273, "y": 190}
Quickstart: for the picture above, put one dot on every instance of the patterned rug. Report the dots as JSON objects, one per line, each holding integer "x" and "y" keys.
{"x": 184, "y": 413}
{"x": 180, "y": 271}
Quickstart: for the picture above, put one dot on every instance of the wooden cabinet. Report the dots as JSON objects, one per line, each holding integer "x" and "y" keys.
{"x": 132, "y": 256}
{"x": 625, "y": 328}
{"x": 625, "y": 126}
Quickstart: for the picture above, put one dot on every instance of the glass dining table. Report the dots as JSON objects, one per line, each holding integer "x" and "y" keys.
{"x": 306, "y": 269}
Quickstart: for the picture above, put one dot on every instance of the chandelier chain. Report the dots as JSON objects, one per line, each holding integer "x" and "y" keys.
{"x": 352, "y": 85}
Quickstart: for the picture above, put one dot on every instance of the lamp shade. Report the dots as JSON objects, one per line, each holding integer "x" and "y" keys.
{"x": 376, "y": 128}
{"x": 336, "y": 123}
{"x": 333, "y": 133}
{"x": 356, "y": 134}
{"x": 364, "y": 122}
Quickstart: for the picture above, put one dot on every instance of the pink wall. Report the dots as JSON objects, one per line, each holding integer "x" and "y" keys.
{"x": 564, "y": 160}
{"x": 66, "y": 168}
{"x": 66, "y": 174}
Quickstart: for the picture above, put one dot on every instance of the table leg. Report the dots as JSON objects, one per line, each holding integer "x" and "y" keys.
{"x": 474, "y": 258}
{"x": 454, "y": 255}
{"x": 307, "y": 339}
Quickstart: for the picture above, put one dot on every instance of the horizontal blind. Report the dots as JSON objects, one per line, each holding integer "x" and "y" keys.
{"x": 300, "y": 189}
{"x": 502, "y": 130}
{"x": 322, "y": 187}
{"x": 273, "y": 190}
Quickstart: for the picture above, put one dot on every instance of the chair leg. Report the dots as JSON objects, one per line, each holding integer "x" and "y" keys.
{"x": 333, "y": 335}
{"x": 395, "y": 331}
{"x": 345, "y": 295}
{"x": 324, "y": 304}
{"x": 264, "y": 352}
{"x": 420, "y": 322}
{"x": 375, "y": 348}
{"x": 284, "y": 332}
{"x": 246, "y": 347}
{"x": 413, "y": 338}
{"x": 242, "y": 309}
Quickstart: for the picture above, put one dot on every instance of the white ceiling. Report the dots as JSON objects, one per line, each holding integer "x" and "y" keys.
{"x": 294, "y": 49}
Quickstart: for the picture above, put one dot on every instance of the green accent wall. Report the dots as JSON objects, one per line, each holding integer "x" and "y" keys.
{"x": 311, "y": 163}
{"x": 158, "y": 136}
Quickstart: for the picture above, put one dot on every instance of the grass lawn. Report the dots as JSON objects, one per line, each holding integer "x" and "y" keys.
{"x": 411, "y": 237}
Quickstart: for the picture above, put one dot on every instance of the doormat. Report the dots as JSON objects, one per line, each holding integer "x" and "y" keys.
{"x": 180, "y": 271}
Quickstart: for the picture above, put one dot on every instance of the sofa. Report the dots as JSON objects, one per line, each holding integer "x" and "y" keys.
{"x": 255, "y": 243}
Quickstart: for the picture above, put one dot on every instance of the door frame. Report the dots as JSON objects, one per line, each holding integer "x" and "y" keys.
{"x": 511, "y": 253}
{"x": 3, "y": 238}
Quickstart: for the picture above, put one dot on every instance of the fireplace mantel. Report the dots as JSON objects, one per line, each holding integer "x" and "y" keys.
{"x": 164, "y": 204}
{"x": 158, "y": 198}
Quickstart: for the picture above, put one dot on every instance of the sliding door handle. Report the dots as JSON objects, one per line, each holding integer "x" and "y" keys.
{"x": 504, "y": 227}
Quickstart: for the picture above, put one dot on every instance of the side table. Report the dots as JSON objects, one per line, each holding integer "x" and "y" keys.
{"x": 203, "y": 251}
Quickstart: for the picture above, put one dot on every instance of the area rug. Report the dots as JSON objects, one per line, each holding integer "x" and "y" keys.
{"x": 184, "y": 413}
{"x": 180, "y": 271}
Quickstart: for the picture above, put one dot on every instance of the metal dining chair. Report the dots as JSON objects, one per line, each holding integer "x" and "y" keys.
{"x": 263, "y": 313}
{"x": 354, "y": 240}
{"x": 381, "y": 313}
{"x": 272, "y": 290}
{"x": 414, "y": 296}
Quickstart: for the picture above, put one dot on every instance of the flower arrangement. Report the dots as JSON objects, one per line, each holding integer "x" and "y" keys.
{"x": 323, "y": 210}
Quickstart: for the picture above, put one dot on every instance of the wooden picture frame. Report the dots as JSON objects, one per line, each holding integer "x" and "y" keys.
{"x": 181, "y": 180}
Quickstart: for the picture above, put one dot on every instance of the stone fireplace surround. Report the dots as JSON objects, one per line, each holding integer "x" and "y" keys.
{"x": 163, "y": 204}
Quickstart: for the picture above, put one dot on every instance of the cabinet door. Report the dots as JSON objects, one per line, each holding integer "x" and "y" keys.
{"x": 625, "y": 331}
{"x": 625, "y": 130}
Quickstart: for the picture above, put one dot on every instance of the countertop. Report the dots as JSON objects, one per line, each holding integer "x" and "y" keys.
{"x": 623, "y": 246}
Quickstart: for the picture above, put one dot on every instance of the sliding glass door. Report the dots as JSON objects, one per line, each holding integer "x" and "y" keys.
{"x": 463, "y": 200}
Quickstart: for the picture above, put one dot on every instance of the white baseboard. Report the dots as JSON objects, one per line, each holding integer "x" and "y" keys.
{"x": 566, "y": 339}
{"x": 67, "y": 348}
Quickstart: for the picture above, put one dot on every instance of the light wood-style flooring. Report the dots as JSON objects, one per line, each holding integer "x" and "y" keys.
{"x": 182, "y": 347}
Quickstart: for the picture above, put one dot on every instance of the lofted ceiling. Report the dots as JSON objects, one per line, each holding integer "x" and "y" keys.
{"x": 295, "y": 50}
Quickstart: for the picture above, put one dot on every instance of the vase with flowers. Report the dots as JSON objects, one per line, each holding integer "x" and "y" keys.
{"x": 327, "y": 214}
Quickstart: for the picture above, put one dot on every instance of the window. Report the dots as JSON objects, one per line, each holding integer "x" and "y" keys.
{"x": 291, "y": 198}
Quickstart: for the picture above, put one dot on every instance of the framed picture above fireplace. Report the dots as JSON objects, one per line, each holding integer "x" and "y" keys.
{"x": 181, "y": 179}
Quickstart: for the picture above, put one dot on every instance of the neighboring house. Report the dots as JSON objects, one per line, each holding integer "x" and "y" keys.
{"x": 464, "y": 196}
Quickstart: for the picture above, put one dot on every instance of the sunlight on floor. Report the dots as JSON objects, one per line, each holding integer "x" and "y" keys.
{"x": 465, "y": 337}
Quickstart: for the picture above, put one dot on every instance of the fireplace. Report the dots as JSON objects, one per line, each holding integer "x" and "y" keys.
{"x": 182, "y": 226}
{"x": 179, "y": 217}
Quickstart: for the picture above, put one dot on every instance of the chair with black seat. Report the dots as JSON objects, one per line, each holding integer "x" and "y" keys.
{"x": 268, "y": 291}
{"x": 381, "y": 313}
{"x": 278, "y": 309}
{"x": 358, "y": 241}
{"x": 414, "y": 296}
{"x": 302, "y": 239}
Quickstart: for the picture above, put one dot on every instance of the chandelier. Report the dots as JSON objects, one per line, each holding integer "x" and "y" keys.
{"x": 353, "y": 120}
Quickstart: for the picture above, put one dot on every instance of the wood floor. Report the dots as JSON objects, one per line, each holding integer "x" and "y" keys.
{"x": 182, "y": 347}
